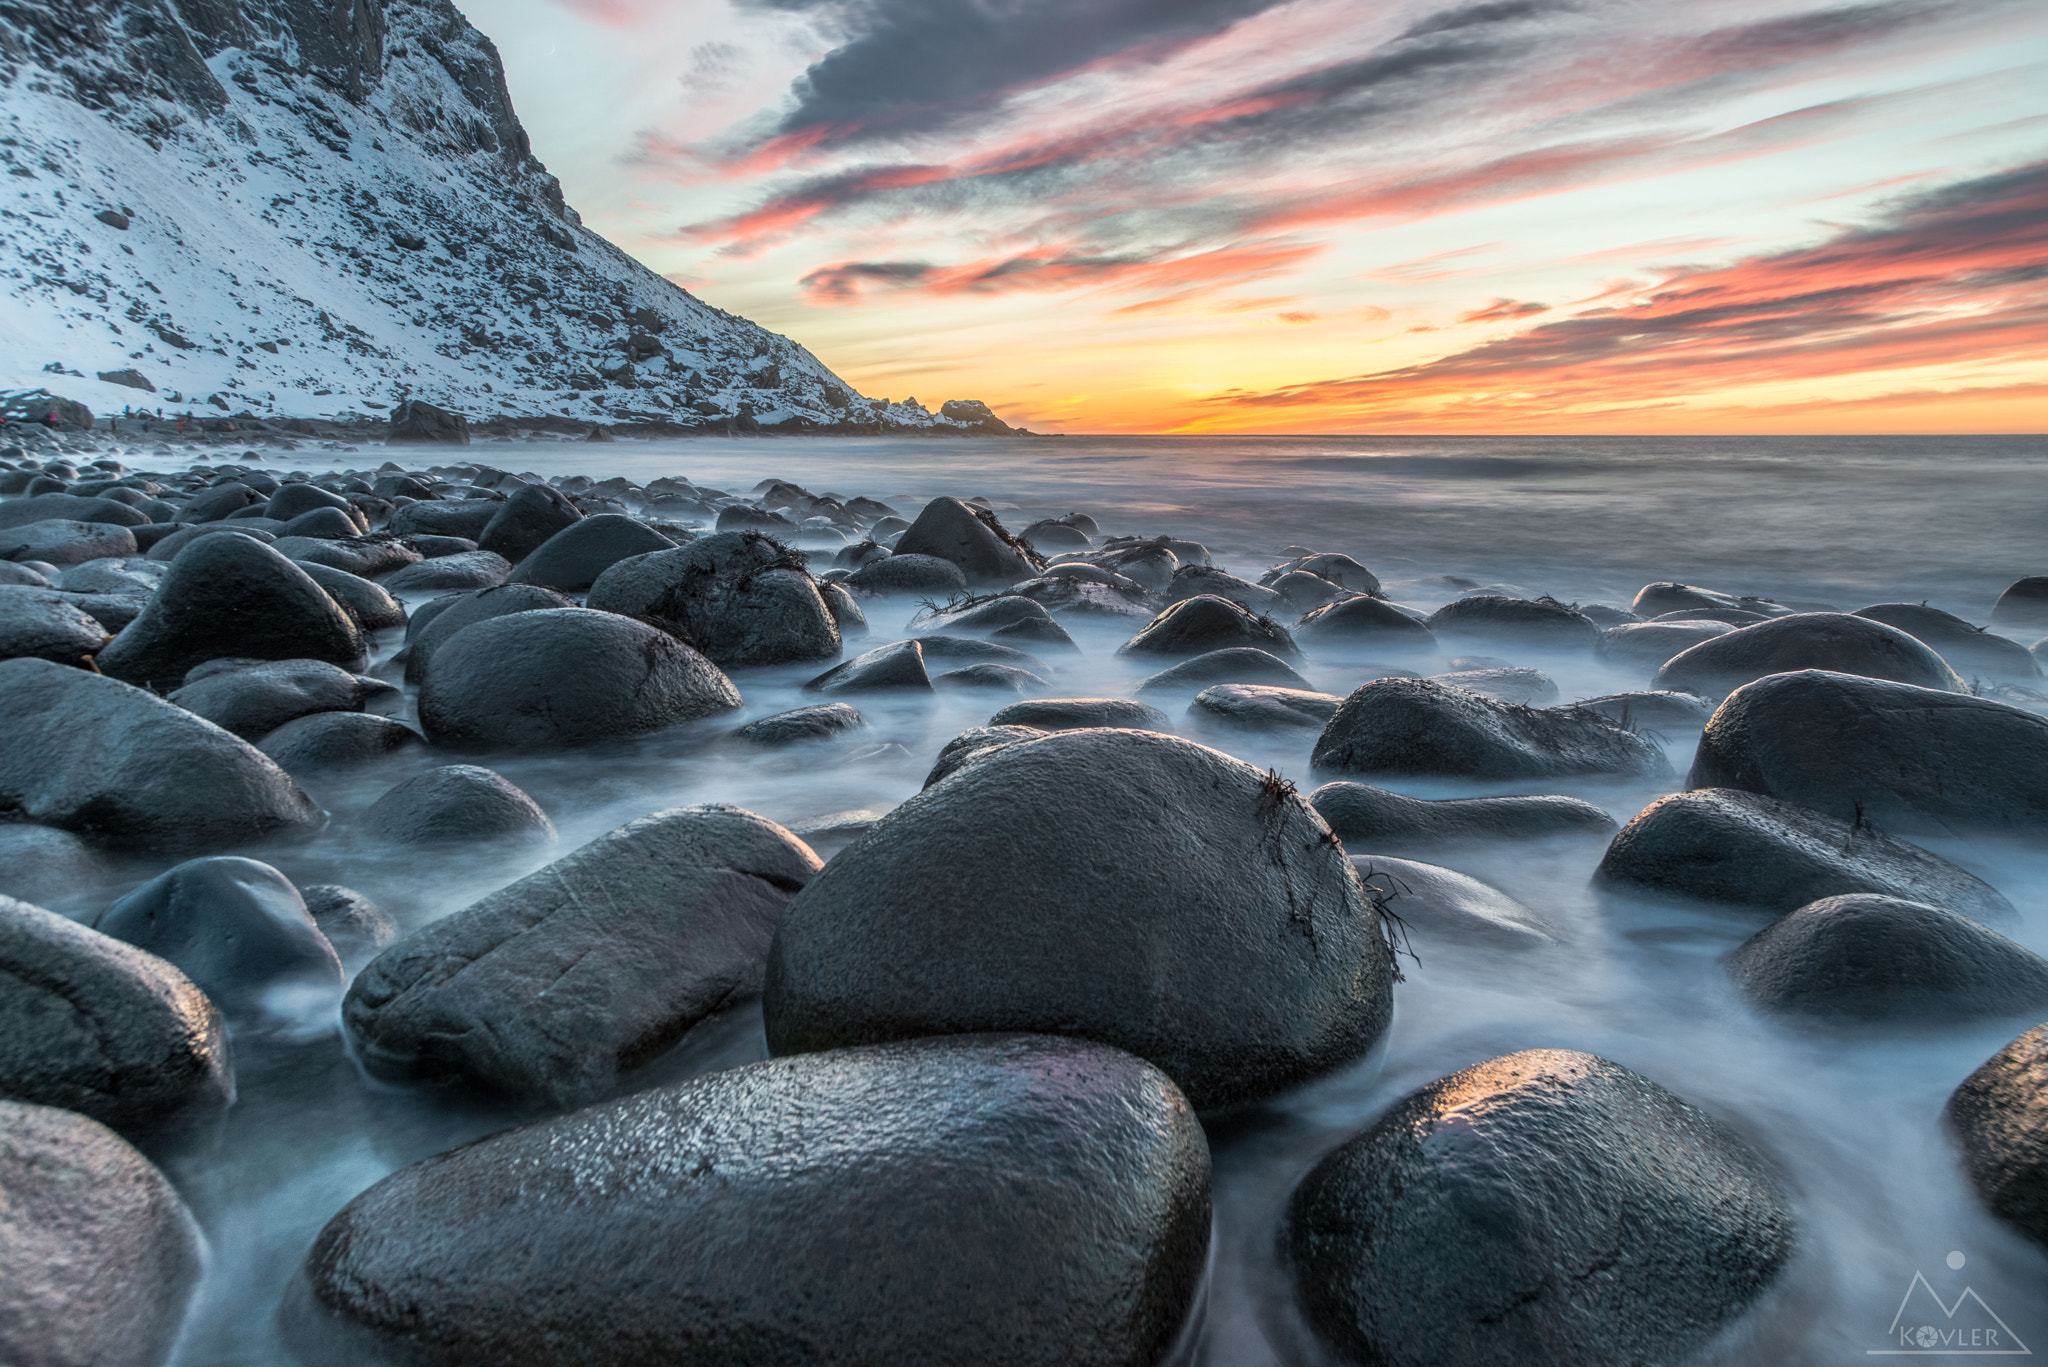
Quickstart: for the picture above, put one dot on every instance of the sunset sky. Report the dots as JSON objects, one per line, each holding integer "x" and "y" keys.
{"x": 1337, "y": 215}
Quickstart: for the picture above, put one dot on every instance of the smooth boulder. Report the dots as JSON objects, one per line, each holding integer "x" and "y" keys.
{"x": 440, "y": 619}
{"x": 1537, "y": 623}
{"x": 564, "y": 677}
{"x": 923, "y": 574}
{"x": 1832, "y": 641}
{"x": 101, "y": 1254}
{"x": 546, "y": 990}
{"x": 1970, "y": 650}
{"x": 1881, "y": 959}
{"x": 1076, "y": 714}
{"x": 739, "y": 597}
{"x": 1646, "y": 647}
{"x": 231, "y": 597}
{"x": 1904, "y": 758}
{"x": 97, "y": 1026}
{"x": 1546, "y": 1206}
{"x": 895, "y": 668}
{"x": 333, "y": 740}
{"x": 1042, "y": 1202}
{"x": 124, "y": 768}
{"x": 524, "y": 522}
{"x": 826, "y": 721}
{"x": 455, "y": 804}
{"x": 972, "y": 539}
{"x": 1196, "y": 626}
{"x": 1239, "y": 665}
{"x": 2023, "y": 604}
{"x": 1371, "y": 623}
{"x": 1447, "y": 909}
{"x": 60, "y": 542}
{"x": 254, "y": 700}
{"x": 1426, "y": 729}
{"x": 42, "y": 624}
{"x": 1999, "y": 1116}
{"x": 1263, "y": 707}
{"x": 573, "y": 558}
{"x": 465, "y": 570}
{"x": 1188, "y": 908}
{"x": 1725, "y": 845}
{"x": 371, "y": 605}
{"x": 1374, "y": 818}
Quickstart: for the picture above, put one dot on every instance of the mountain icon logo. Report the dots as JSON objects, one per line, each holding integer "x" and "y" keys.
{"x": 1928, "y": 1326}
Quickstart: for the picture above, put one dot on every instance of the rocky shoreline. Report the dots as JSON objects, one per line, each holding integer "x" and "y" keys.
{"x": 993, "y": 1038}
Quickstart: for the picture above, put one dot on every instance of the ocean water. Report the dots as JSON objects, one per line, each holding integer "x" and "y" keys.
{"x": 1848, "y": 1118}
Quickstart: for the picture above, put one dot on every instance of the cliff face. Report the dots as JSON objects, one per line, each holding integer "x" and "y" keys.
{"x": 322, "y": 207}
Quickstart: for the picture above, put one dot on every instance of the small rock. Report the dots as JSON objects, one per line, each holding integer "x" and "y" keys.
{"x": 1510, "y": 684}
{"x": 1075, "y": 714}
{"x": 970, "y": 538}
{"x": 1374, "y": 818}
{"x": 2000, "y": 1119}
{"x": 573, "y": 558}
{"x": 525, "y": 521}
{"x": 1366, "y": 622}
{"x": 1648, "y": 646}
{"x": 904, "y": 574}
{"x": 1196, "y": 626}
{"x": 1540, "y": 623}
{"x": 890, "y": 668}
{"x": 1423, "y": 728}
{"x": 1651, "y": 711}
{"x": 1238, "y": 665}
{"x": 1654, "y": 600}
{"x": 40, "y": 624}
{"x": 1340, "y": 570}
{"x": 358, "y": 928}
{"x": 451, "y": 573}
{"x": 1447, "y": 908}
{"x": 826, "y": 721}
{"x": 46, "y": 866}
{"x": 1833, "y": 641}
{"x": 256, "y": 699}
{"x": 369, "y": 605}
{"x": 332, "y": 740}
{"x": 1262, "y": 707}
{"x": 457, "y": 804}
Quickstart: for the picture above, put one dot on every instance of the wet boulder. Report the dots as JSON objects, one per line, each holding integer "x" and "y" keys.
{"x": 465, "y": 518}
{"x": 1055, "y": 534}
{"x": 573, "y": 558}
{"x": 2023, "y": 605}
{"x": 358, "y": 928}
{"x": 546, "y": 990}
{"x": 979, "y": 616}
{"x": 859, "y": 553}
{"x": 1866, "y": 957}
{"x": 1649, "y": 710}
{"x": 1370, "y": 818}
{"x": 369, "y": 605}
{"x": 1426, "y": 729}
{"x": 294, "y": 500}
{"x": 334, "y": 740}
{"x": 740, "y": 597}
{"x": 128, "y": 770}
{"x": 564, "y": 677}
{"x": 1371, "y": 623}
{"x": 1306, "y": 592}
{"x": 254, "y": 700}
{"x": 1191, "y": 910}
{"x": 1904, "y": 758}
{"x": 826, "y": 721}
{"x": 322, "y": 524}
{"x": 41, "y": 624}
{"x": 1645, "y": 647}
{"x": 1076, "y": 714}
{"x": 1149, "y": 564}
{"x": 1036, "y": 635}
{"x": 455, "y": 804}
{"x": 1536, "y": 623}
{"x": 1192, "y": 581}
{"x": 1546, "y": 1205}
{"x": 1340, "y": 570}
{"x": 230, "y": 597}
{"x": 852, "y": 622}
{"x": 524, "y": 522}
{"x": 927, "y": 575}
{"x": 19, "y": 512}
{"x": 435, "y": 622}
{"x": 1970, "y": 650}
{"x": 98, "y": 1026}
{"x": 991, "y": 678}
{"x": 1196, "y": 626}
{"x": 240, "y": 931}
{"x": 1655, "y": 600}
{"x": 464, "y": 570}
{"x": 975, "y": 743}
{"x": 364, "y": 556}
{"x": 972, "y": 539}
{"x": 1832, "y": 641}
{"x": 899, "y": 667}
{"x": 49, "y": 867}
{"x": 1504, "y": 683}
{"x": 1723, "y": 845}
{"x": 1263, "y": 707}
{"x": 102, "y": 1256}
{"x": 1999, "y": 1117}
{"x": 907, "y": 1205}
{"x": 60, "y": 542}
{"x": 1449, "y": 910}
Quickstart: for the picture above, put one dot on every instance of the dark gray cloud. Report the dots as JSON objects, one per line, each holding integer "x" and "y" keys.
{"x": 912, "y": 65}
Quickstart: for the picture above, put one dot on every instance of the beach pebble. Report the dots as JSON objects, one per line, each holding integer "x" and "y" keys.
{"x": 1544, "y": 1198}
{"x": 1999, "y": 1116}
{"x": 230, "y": 597}
{"x": 1074, "y": 714}
{"x": 1834, "y": 641}
{"x": 1504, "y": 683}
{"x": 1196, "y": 626}
{"x": 370, "y": 605}
{"x": 1191, "y": 910}
{"x": 1880, "y": 959}
{"x": 101, "y": 1027}
{"x": 1371, "y": 622}
{"x": 60, "y": 542}
{"x": 102, "y": 1255}
{"x": 1723, "y": 845}
{"x": 573, "y": 558}
{"x": 128, "y": 770}
{"x": 825, "y": 721}
{"x": 739, "y": 597}
{"x": 1970, "y": 650}
{"x": 478, "y": 569}
{"x": 1447, "y": 908}
{"x": 899, "y": 667}
{"x": 1239, "y": 664}
{"x": 928, "y": 575}
{"x": 1426, "y": 729}
{"x": 1042, "y": 1202}
{"x": 1262, "y": 707}
{"x": 1904, "y": 758}
{"x": 971, "y": 539}
{"x": 1540, "y": 623}
{"x": 240, "y": 931}
{"x": 456, "y": 804}
{"x": 42, "y": 624}
{"x": 524, "y": 522}
{"x": 1374, "y": 818}
{"x": 256, "y": 699}
{"x": 546, "y": 990}
{"x": 563, "y": 677}
{"x": 356, "y": 927}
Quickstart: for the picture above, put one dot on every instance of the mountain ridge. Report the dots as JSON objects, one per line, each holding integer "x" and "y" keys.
{"x": 315, "y": 209}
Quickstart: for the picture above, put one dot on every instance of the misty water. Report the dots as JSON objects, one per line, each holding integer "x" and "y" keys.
{"x": 1849, "y": 1118}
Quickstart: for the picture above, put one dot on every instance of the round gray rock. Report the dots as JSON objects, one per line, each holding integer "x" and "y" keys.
{"x": 1374, "y": 818}
{"x": 1834, "y": 641}
{"x": 456, "y": 804}
{"x": 1429, "y": 729}
{"x": 2000, "y": 1118}
{"x": 739, "y": 597}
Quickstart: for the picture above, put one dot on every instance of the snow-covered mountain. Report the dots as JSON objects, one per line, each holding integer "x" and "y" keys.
{"x": 317, "y": 208}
